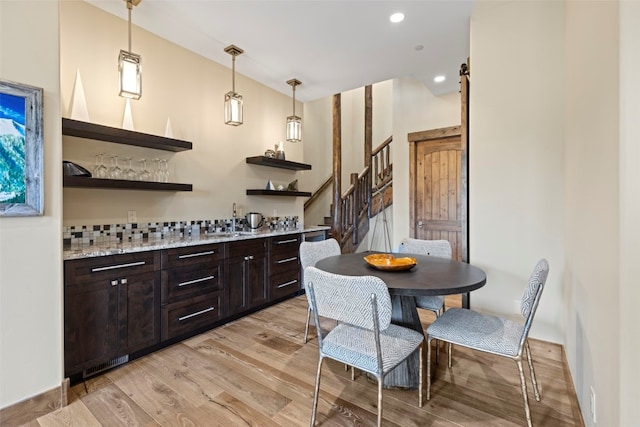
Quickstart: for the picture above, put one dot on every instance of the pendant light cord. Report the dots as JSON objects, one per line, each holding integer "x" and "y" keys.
{"x": 294, "y": 100}
{"x": 233, "y": 74}
{"x": 129, "y": 7}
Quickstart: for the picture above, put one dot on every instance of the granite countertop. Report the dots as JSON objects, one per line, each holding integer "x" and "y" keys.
{"x": 115, "y": 248}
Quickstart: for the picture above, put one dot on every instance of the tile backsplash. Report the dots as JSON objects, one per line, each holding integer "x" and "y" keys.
{"x": 76, "y": 235}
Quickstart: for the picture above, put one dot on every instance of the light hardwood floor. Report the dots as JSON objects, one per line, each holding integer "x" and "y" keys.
{"x": 256, "y": 372}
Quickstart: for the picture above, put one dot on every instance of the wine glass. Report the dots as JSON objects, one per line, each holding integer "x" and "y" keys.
{"x": 164, "y": 170}
{"x": 114, "y": 171}
{"x": 99, "y": 169}
{"x": 144, "y": 174}
{"x": 156, "y": 170}
{"x": 128, "y": 172}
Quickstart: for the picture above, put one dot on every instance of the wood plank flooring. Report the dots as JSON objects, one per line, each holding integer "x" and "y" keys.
{"x": 257, "y": 372}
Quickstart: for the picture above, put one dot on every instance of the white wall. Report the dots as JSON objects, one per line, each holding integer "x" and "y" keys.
{"x": 516, "y": 155}
{"x": 592, "y": 203}
{"x": 30, "y": 247}
{"x": 629, "y": 295}
{"x": 188, "y": 89}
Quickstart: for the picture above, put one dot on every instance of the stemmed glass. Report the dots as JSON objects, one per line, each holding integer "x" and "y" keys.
{"x": 164, "y": 170}
{"x": 156, "y": 170}
{"x": 128, "y": 172}
{"x": 99, "y": 169}
{"x": 144, "y": 174}
{"x": 115, "y": 172}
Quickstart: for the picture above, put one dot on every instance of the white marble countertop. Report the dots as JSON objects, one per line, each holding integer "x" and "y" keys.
{"x": 113, "y": 248}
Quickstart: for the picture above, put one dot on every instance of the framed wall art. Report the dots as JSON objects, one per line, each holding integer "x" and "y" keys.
{"x": 21, "y": 192}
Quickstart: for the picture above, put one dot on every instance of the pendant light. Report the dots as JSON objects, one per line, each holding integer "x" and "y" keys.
{"x": 294, "y": 123}
{"x": 130, "y": 65}
{"x": 233, "y": 100}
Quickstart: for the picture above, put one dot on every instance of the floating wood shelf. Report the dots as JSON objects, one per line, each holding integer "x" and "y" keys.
{"x": 278, "y": 163}
{"x": 123, "y": 184}
{"x": 122, "y": 136}
{"x": 278, "y": 193}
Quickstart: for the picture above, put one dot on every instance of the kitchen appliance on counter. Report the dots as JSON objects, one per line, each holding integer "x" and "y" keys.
{"x": 254, "y": 220}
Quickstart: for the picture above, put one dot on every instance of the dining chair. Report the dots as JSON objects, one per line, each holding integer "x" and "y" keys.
{"x": 437, "y": 248}
{"x": 364, "y": 338}
{"x": 494, "y": 334}
{"x": 310, "y": 254}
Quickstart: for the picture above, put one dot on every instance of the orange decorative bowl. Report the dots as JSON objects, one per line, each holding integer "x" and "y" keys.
{"x": 389, "y": 262}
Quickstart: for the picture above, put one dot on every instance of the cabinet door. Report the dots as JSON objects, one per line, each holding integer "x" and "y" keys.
{"x": 139, "y": 311}
{"x": 90, "y": 325}
{"x": 237, "y": 289}
{"x": 257, "y": 278}
{"x": 247, "y": 275}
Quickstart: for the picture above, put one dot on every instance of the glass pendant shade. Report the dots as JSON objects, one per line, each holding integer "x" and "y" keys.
{"x": 130, "y": 73}
{"x": 233, "y": 109}
{"x": 294, "y": 123}
{"x": 294, "y": 129}
{"x": 232, "y": 99}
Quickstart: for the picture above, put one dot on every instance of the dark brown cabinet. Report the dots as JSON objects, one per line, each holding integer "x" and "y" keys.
{"x": 119, "y": 305}
{"x": 284, "y": 266}
{"x": 246, "y": 275}
{"x": 192, "y": 288}
{"x": 111, "y": 308}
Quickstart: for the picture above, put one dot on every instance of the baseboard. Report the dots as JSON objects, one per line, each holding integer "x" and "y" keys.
{"x": 34, "y": 407}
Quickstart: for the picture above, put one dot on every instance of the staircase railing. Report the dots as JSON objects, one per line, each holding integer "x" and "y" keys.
{"x": 354, "y": 204}
{"x": 382, "y": 166}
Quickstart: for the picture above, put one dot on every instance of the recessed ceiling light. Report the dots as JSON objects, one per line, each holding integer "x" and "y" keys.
{"x": 439, "y": 79}
{"x": 397, "y": 17}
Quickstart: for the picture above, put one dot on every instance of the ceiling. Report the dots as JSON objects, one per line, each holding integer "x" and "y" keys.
{"x": 331, "y": 46}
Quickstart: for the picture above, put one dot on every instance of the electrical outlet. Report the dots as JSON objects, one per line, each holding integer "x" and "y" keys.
{"x": 132, "y": 216}
{"x": 592, "y": 404}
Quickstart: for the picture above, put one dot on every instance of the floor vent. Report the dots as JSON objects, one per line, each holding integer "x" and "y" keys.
{"x": 104, "y": 366}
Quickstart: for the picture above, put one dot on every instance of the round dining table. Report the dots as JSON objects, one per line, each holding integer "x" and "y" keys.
{"x": 430, "y": 276}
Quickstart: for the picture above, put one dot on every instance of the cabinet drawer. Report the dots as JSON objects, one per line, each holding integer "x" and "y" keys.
{"x": 180, "y": 257}
{"x": 255, "y": 247}
{"x": 184, "y": 282}
{"x": 289, "y": 243}
{"x": 284, "y": 261}
{"x": 186, "y": 316}
{"x": 284, "y": 284}
{"x": 108, "y": 267}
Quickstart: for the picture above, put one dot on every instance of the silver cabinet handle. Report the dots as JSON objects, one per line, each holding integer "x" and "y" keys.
{"x": 191, "y": 282}
{"x": 197, "y": 313}
{"x": 250, "y": 256}
{"x": 420, "y": 224}
{"x": 113, "y": 267}
{"x": 114, "y": 283}
{"x": 197, "y": 254}
{"x": 123, "y": 281}
{"x": 286, "y": 284}
{"x": 282, "y": 242}
{"x": 247, "y": 258}
{"x": 282, "y": 261}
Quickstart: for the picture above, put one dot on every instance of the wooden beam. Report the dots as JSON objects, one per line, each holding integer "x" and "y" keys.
{"x": 337, "y": 165}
